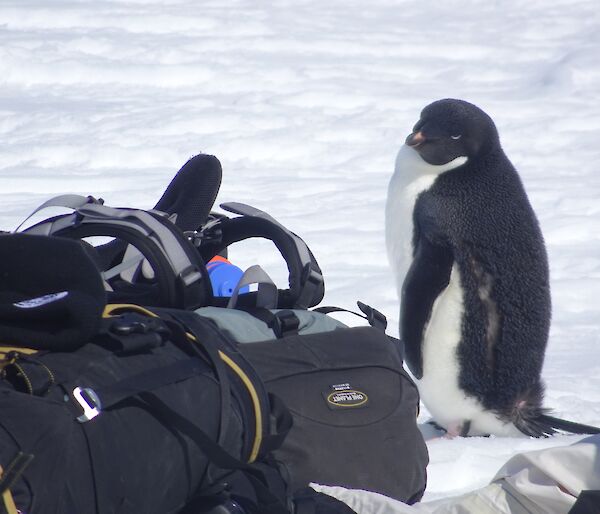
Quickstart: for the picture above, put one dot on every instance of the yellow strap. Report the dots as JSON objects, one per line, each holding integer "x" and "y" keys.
{"x": 116, "y": 308}
{"x": 5, "y": 350}
{"x": 7, "y": 498}
{"x": 253, "y": 395}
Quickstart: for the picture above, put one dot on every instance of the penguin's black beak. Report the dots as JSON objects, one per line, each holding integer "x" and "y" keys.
{"x": 415, "y": 139}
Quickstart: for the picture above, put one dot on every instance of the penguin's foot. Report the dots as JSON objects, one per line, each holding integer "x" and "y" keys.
{"x": 458, "y": 429}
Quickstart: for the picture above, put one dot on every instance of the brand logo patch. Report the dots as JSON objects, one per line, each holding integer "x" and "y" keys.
{"x": 344, "y": 396}
{"x": 32, "y": 303}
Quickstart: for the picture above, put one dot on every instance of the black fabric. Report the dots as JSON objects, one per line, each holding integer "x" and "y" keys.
{"x": 190, "y": 196}
{"x": 192, "y": 192}
{"x": 149, "y": 449}
{"x": 51, "y": 295}
{"x": 340, "y": 439}
{"x": 588, "y": 502}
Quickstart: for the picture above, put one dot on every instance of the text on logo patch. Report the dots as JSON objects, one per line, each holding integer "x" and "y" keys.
{"x": 343, "y": 396}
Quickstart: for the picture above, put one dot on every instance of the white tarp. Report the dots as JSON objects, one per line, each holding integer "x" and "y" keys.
{"x": 539, "y": 482}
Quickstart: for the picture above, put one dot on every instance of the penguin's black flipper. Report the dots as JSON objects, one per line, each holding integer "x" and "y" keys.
{"x": 427, "y": 277}
{"x": 192, "y": 192}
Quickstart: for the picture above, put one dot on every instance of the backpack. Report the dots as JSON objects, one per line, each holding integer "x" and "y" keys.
{"x": 360, "y": 406}
{"x": 118, "y": 418}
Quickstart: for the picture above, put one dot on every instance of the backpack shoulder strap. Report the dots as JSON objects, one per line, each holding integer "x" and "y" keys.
{"x": 177, "y": 269}
{"x": 306, "y": 286}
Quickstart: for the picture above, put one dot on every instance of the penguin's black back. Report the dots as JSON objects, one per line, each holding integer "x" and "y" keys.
{"x": 489, "y": 224}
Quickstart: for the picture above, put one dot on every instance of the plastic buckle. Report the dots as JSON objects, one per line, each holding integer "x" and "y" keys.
{"x": 189, "y": 275}
{"x": 284, "y": 323}
{"x": 375, "y": 318}
{"x": 312, "y": 276}
{"x": 210, "y": 233}
{"x": 125, "y": 327}
{"x": 88, "y": 400}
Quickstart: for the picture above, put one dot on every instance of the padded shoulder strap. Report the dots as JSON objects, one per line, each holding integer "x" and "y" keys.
{"x": 158, "y": 239}
{"x": 68, "y": 201}
{"x": 305, "y": 277}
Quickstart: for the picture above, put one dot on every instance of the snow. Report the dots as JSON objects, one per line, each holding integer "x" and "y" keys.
{"x": 306, "y": 104}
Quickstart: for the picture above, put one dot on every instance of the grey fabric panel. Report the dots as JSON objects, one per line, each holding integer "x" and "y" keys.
{"x": 245, "y": 328}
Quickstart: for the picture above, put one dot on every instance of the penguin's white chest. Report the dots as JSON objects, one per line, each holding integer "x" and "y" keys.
{"x": 439, "y": 385}
{"x": 412, "y": 176}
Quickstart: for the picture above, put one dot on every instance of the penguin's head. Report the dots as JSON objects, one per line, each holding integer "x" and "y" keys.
{"x": 449, "y": 129}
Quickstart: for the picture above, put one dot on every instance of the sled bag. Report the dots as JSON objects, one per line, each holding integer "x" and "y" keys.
{"x": 354, "y": 410}
{"x": 143, "y": 418}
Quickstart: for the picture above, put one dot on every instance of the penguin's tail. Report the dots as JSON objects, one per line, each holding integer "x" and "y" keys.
{"x": 563, "y": 425}
{"x": 535, "y": 421}
{"x": 530, "y": 420}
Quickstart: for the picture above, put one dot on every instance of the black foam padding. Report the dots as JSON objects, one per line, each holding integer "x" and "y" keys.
{"x": 192, "y": 192}
{"x": 51, "y": 294}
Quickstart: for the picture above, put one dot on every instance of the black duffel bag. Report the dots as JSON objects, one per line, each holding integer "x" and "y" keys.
{"x": 353, "y": 404}
{"x": 354, "y": 410}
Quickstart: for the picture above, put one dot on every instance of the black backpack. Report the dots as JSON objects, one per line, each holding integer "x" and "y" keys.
{"x": 118, "y": 422}
{"x": 352, "y": 404}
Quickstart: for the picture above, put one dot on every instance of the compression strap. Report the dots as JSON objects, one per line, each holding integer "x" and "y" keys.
{"x": 114, "y": 309}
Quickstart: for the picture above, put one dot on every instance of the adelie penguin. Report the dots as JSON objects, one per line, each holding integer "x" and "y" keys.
{"x": 472, "y": 275}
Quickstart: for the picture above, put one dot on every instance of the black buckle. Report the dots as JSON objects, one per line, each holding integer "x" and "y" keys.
{"x": 313, "y": 276}
{"x": 311, "y": 281}
{"x": 284, "y": 323}
{"x": 134, "y": 323}
{"x": 375, "y": 318}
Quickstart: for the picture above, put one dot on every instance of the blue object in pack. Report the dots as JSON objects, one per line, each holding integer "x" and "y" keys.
{"x": 224, "y": 276}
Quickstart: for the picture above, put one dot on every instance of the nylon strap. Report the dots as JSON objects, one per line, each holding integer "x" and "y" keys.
{"x": 149, "y": 380}
{"x": 375, "y": 318}
{"x": 269, "y": 503}
{"x": 7, "y": 479}
{"x": 267, "y": 290}
{"x": 67, "y": 201}
{"x": 312, "y": 279}
{"x": 190, "y": 322}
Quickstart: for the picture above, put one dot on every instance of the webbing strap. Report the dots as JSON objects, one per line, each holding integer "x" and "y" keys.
{"x": 311, "y": 279}
{"x": 8, "y": 503}
{"x": 267, "y": 290}
{"x": 149, "y": 380}
{"x": 375, "y": 318}
{"x": 93, "y": 215}
{"x": 140, "y": 219}
{"x": 269, "y": 503}
{"x": 189, "y": 319}
{"x": 282, "y": 323}
{"x": 68, "y": 201}
{"x": 123, "y": 266}
{"x": 7, "y": 479}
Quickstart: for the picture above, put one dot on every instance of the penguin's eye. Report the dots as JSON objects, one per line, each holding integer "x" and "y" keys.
{"x": 456, "y": 137}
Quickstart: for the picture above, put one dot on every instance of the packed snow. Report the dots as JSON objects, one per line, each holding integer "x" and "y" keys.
{"x": 306, "y": 104}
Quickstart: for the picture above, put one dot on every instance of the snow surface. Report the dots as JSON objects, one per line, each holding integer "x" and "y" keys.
{"x": 306, "y": 104}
